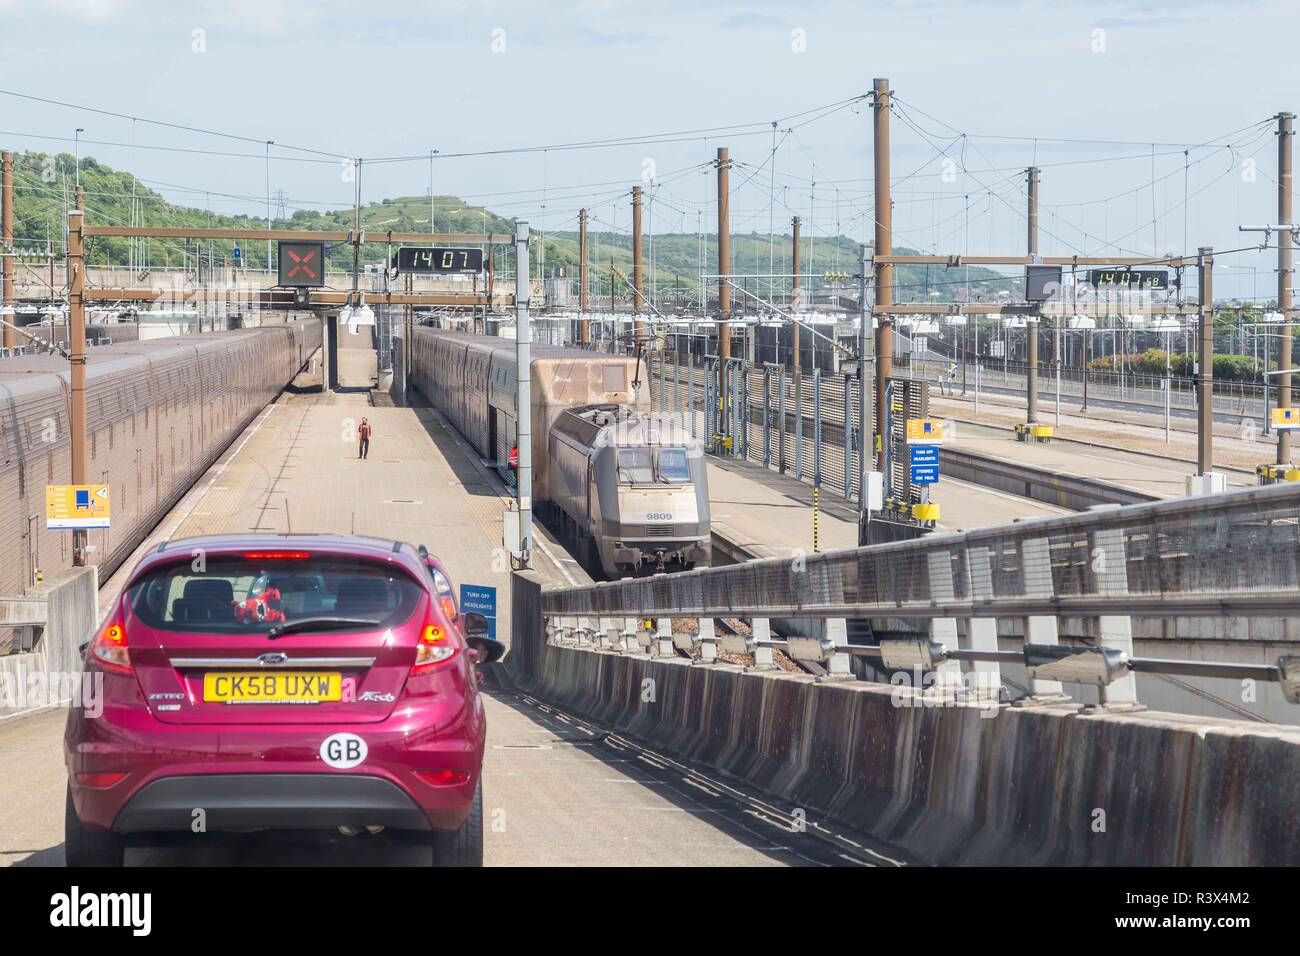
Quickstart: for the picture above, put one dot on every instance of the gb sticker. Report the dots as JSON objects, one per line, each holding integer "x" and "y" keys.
{"x": 343, "y": 751}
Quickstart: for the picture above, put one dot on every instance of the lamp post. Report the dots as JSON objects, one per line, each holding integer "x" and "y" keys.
{"x": 269, "y": 144}
{"x": 432, "y": 153}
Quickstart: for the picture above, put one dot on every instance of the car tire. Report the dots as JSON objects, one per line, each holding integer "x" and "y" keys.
{"x": 462, "y": 847}
{"x": 85, "y": 847}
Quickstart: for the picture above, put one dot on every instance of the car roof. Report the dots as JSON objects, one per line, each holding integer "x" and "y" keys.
{"x": 386, "y": 549}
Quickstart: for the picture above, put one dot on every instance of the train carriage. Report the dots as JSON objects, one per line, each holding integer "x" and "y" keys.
{"x": 477, "y": 392}
{"x": 159, "y": 412}
{"x": 471, "y": 379}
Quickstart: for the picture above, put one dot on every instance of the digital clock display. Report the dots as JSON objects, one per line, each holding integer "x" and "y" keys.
{"x": 436, "y": 259}
{"x": 1129, "y": 278}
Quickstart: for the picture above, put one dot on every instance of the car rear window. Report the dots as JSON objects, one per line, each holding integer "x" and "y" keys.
{"x": 245, "y": 594}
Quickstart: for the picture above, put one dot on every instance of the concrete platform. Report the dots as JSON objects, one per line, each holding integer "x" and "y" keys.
{"x": 557, "y": 790}
{"x": 1237, "y": 448}
{"x": 770, "y": 514}
{"x": 556, "y": 793}
{"x": 1140, "y": 470}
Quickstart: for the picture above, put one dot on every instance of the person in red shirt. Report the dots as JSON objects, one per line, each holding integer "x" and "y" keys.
{"x": 363, "y": 435}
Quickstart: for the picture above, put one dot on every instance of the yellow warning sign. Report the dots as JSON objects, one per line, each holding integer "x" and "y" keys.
{"x": 1284, "y": 418}
{"x": 76, "y": 506}
{"x": 924, "y": 431}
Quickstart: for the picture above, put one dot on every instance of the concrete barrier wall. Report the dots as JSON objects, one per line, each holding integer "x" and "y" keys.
{"x": 951, "y": 784}
{"x": 40, "y": 678}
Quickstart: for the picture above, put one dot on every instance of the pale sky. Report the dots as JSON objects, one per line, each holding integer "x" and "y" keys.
{"x": 391, "y": 79}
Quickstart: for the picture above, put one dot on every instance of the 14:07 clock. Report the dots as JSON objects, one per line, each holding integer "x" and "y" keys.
{"x": 438, "y": 259}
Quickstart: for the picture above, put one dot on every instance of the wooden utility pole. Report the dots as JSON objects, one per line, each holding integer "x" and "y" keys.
{"x": 7, "y": 253}
{"x": 795, "y": 304}
{"x": 408, "y": 333}
{"x": 77, "y": 406}
{"x": 1205, "y": 364}
{"x": 355, "y": 302}
{"x": 584, "y": 324}
{"x": 638, "y": 281}
{"x": 724, "y": 287}
{"x": 1285, "y": 239}
{"x": 724, "y": 251}
{"x": 1032, "y": 322}
{"x": 884, "y": 271}
{"x": 794, "y": 360}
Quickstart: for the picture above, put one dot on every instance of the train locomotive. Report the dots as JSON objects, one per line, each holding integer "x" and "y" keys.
{"x": 630, "y": 488}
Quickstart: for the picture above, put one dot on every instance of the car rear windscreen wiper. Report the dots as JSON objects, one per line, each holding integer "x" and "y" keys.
{"x": 318, "y": 624}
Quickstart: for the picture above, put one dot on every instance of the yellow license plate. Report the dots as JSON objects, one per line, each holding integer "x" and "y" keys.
{"x": 259, "y": 687}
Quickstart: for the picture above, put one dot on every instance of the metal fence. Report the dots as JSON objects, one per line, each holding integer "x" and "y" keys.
{"x": 806, "y": 427}
{"x": 1232, "y": 554}
{"x": 795, "y": 426}
{"x": 1230, "y": 398}
{"x": 1237, "y": 552}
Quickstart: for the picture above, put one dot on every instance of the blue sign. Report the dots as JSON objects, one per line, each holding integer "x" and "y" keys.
{"x": 925, "y": 474}
{"x": 924, "y": 454}
{"x": 237, "y": 254}
{"x": 482, "y": 600}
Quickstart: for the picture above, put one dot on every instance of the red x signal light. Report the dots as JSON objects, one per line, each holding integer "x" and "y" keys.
{"x": 302, "y": 264}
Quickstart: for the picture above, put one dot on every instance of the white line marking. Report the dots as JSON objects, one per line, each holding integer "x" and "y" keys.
{"x": 183, "y": 513}
{"x": 107, "y": 594}
{"x": 487, "y": 475}
{"x": 1018, "y": 499}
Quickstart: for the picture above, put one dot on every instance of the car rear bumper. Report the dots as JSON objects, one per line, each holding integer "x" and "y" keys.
{"x": 288, "y": 801}
{"x": 269, "y": 776}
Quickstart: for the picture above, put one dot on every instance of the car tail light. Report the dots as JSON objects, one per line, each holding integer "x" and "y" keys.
{"x": 108, "y": 649}
{"x": 436, "y": 647}
{"x": 443, "y": 778}
{"x": 446, "y": 597}
{"x": 99, "y": 781}
{"x": 276, "y": 555}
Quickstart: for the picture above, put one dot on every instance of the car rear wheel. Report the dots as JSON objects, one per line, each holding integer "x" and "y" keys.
{"x": 463, "y": 847}
{"x": 84, "y": 847}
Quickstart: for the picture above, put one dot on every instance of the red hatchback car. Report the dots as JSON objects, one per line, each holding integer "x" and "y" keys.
{"x": 267, "y": 682}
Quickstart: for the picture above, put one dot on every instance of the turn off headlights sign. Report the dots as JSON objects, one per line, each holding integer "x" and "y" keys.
{"x": 481, "y": 599}
{"x": 76, "y": 506}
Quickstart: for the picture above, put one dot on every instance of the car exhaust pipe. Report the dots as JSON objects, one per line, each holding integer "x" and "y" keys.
{"x": 350, "y": 831}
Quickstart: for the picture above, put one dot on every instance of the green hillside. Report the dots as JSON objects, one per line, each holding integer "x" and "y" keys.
{"x": 44, "y": 182}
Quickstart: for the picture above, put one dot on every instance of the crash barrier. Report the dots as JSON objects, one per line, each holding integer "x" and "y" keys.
{"x": 941, "y": 762}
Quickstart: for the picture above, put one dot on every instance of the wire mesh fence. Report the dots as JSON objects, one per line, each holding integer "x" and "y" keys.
{"x": 806, "y": 426}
